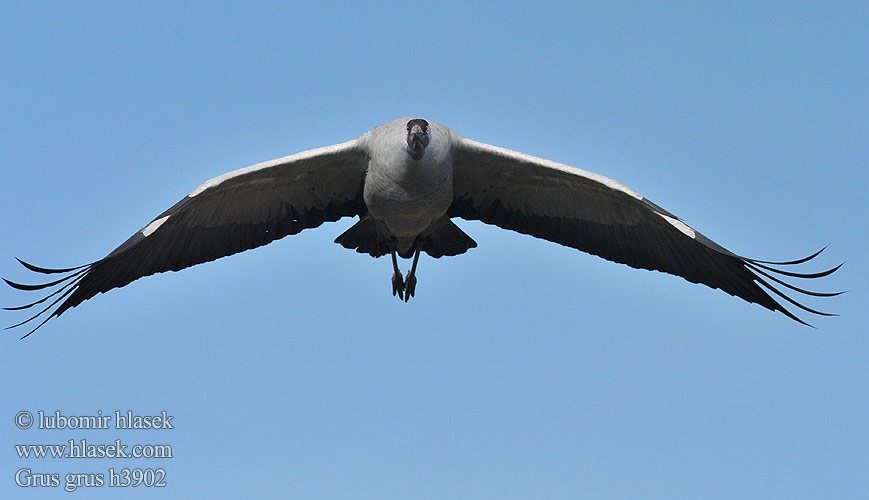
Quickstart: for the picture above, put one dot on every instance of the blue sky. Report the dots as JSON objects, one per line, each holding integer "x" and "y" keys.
{"x": 521, "y": 369}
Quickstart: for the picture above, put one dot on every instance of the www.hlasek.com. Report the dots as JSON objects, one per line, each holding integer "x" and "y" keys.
{"x": 82, "y": 448}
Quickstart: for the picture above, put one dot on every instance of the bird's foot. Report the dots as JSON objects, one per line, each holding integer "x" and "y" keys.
{"x": 398, "y": 285}
{"x": 410, "y": 286}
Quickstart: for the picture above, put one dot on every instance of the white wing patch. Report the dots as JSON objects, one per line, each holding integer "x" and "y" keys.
{"x": 150, "y": 228}
{"x": 681, "y": 226}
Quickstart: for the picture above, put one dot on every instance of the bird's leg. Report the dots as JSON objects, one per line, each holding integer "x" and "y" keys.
{"x": 410, "y": 284}
{"x": 397, "y": 279}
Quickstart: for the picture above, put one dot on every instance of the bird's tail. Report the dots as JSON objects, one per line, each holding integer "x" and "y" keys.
{"x": 365, "y": 237}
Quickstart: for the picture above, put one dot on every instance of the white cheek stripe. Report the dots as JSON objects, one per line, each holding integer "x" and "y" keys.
{"x": 681, "y": 226}
{"x": 150, "y": 228}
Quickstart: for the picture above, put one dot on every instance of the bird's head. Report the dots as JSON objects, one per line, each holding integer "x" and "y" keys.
{"x": 417, "y": 137}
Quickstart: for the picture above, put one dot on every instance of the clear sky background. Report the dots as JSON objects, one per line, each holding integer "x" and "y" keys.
{"x": 521, "y": 369}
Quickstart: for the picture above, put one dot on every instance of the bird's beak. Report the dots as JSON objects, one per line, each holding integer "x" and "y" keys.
{"x": 418, "y": 133}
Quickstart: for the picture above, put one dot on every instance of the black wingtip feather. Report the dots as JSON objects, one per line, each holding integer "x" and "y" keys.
{"x": 37, "y": 327}
{"x": 46, "y": 270}
{"x": 790, "y": 262}
{"x": 41, "y": 286}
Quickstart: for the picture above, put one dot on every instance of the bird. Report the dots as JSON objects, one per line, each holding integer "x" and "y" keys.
{"x": 405, "y": 181}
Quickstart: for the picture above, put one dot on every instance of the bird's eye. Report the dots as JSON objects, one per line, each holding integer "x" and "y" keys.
{"x": 426, "y": 129}
{"x": 408, "y": 129}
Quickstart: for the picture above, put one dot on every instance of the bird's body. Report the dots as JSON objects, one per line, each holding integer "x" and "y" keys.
{"x": 407, "y": 196}
{"x": 406, "y": 180}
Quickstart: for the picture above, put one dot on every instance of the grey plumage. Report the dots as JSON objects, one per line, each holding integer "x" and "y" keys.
{"x": 405, "y": 180}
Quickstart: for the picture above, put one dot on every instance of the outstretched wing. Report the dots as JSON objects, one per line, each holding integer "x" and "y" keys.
{"x": 228, "y": 214}
{"x": 598, "y": 215}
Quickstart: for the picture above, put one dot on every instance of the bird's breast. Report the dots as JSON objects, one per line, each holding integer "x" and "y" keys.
{"x": 408, "y": 195}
